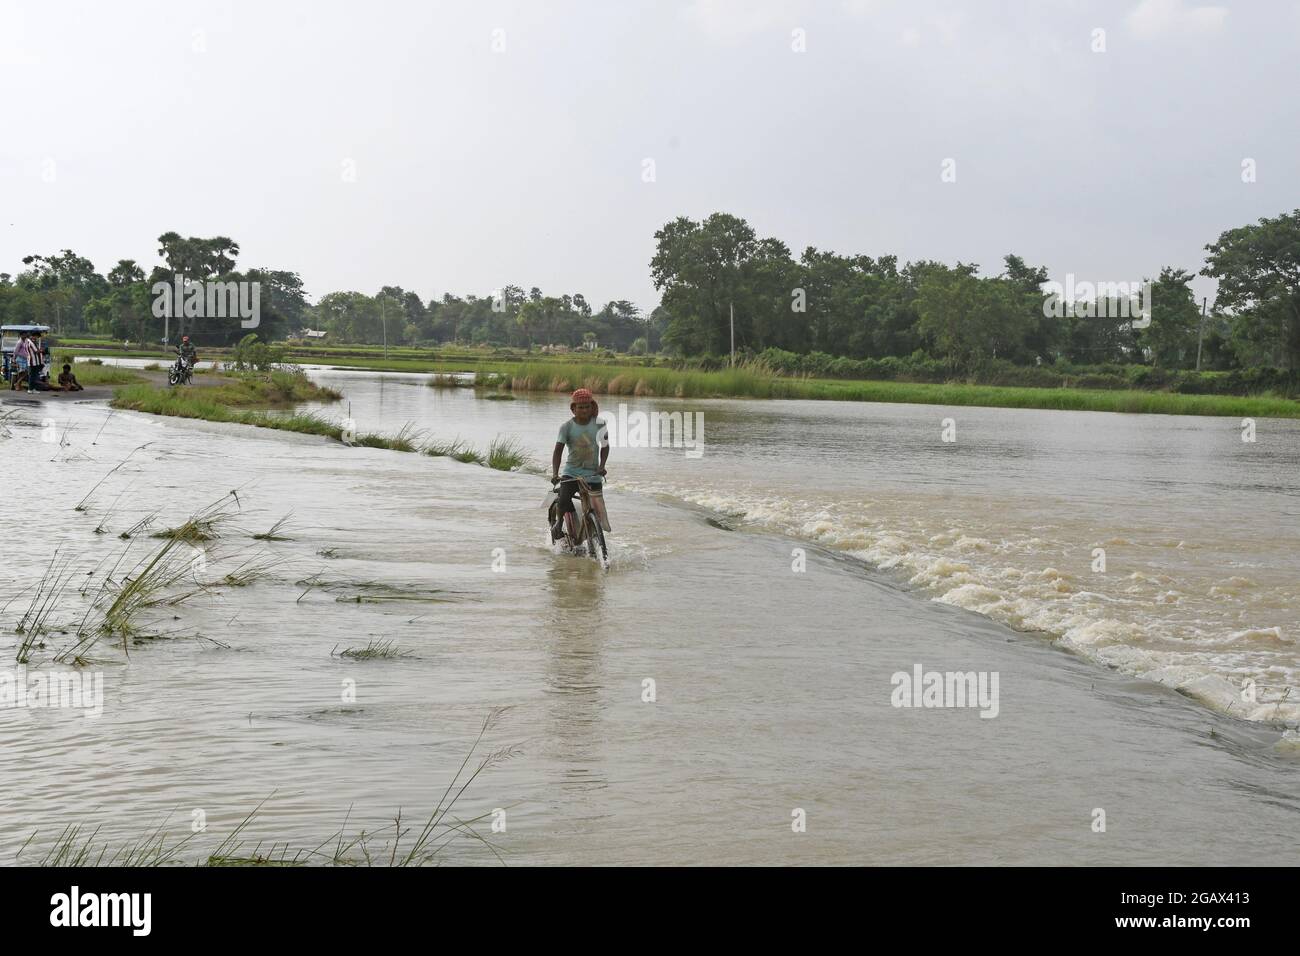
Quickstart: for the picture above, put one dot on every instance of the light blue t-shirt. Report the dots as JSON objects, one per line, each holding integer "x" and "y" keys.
{"x": 583, "y": 443}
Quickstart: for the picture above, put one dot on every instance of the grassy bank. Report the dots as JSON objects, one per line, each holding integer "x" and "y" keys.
{"x": 240, "y": 399}
{"x": 757, "y": 382}
{"x": 93, "y": 373}
{"x": 249, "y": 398}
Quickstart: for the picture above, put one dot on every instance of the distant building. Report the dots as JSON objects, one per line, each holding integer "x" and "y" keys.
{"x": 314, "y": 334}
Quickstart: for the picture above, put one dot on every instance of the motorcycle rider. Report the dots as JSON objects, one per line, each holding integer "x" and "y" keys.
{"x": 188, "y": 352}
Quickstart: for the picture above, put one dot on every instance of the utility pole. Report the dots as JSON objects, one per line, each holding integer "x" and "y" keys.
{"x": 733, "y": 334}
{"x": 1200, "y": 334}
{"x": 179, "y": 309}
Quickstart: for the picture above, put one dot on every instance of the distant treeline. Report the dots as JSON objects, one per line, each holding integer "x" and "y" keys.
{"x": 65, "y": 292}
{"x": 507, "y": 317}
{"x": 820, "y": 310}
{"x": 864, "y": 308}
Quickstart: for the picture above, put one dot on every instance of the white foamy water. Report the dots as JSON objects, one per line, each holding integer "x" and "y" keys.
{"x": 1178, "y": 617}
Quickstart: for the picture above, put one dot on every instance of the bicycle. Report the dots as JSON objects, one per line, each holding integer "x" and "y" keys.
{"x": 583, "y": 527}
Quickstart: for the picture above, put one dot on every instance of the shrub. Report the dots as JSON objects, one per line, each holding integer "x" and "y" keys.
{"x": 250, "y": 355}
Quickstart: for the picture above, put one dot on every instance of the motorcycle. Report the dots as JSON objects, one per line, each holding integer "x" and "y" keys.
{"x": 181, "y": 372}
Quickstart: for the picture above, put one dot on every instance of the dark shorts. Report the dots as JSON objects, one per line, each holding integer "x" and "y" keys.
{"x": 568, "y": 487}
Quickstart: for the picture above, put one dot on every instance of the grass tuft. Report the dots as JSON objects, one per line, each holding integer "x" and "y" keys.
{"x": 273, "y": 534}
{"x": 204, "y": 525}
{"x": 507, "y": 454}
{"x": 372, "y": 650}
{"x": 398, "y": 844}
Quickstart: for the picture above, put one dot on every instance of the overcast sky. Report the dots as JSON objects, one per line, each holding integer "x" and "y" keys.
{"x": 494, "y": 143}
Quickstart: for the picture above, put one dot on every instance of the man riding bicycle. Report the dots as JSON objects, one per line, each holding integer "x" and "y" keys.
{"x": 582, "y": 435}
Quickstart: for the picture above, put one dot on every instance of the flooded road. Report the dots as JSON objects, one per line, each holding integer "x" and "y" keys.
{"x": 764, "y": 594}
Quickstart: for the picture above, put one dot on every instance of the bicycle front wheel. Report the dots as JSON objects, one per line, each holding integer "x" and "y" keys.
{"x": 596, "y": 540}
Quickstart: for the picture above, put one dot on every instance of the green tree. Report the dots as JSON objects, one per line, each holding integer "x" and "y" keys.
{"x": 1175, "y": 320}
{"x": 970, "y": 320}
{"x": 697, "y": 268}
{"x": 125, "y": 273}
{"x": 1045, "y": 333}
{"x": 1258, "y": 268}
{"x": 60, "y": 286}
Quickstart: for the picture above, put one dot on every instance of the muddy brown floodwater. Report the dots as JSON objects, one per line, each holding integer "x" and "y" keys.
{"x": 764, "y": 593}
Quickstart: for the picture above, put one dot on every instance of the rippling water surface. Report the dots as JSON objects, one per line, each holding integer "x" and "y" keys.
{"x": 1120, "y": 689}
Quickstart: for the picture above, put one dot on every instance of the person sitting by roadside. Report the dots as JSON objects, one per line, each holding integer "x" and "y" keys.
{"x": 67, "y": 381}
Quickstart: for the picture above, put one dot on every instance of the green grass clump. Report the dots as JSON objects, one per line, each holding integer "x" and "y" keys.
{"x": 150, "y": 585}
{"x": 407, "y": 439}
{"x": 507, "y": 454}
{"x": 446, "y": 449}
{"x": 457, "y": 449}
{"x": 383, "y": 441}
{"x": 271, "y": 388}
{"x": 449, "y": 380}
{"x": 72, "y": 848}
{"x": 203, "y": 525}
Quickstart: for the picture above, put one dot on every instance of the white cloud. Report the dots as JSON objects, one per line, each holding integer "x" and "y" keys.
{"x": 861, "y": 9}
{"x": 13, "y": 51}
{"x": 1155, "y": 17}
{"x": 947, "y": 25}
{"x": 727, "y": 19}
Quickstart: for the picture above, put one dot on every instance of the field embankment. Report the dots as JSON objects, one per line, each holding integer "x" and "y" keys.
{"x": 758, "y": 382}
{"x": 252, "y": 398}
